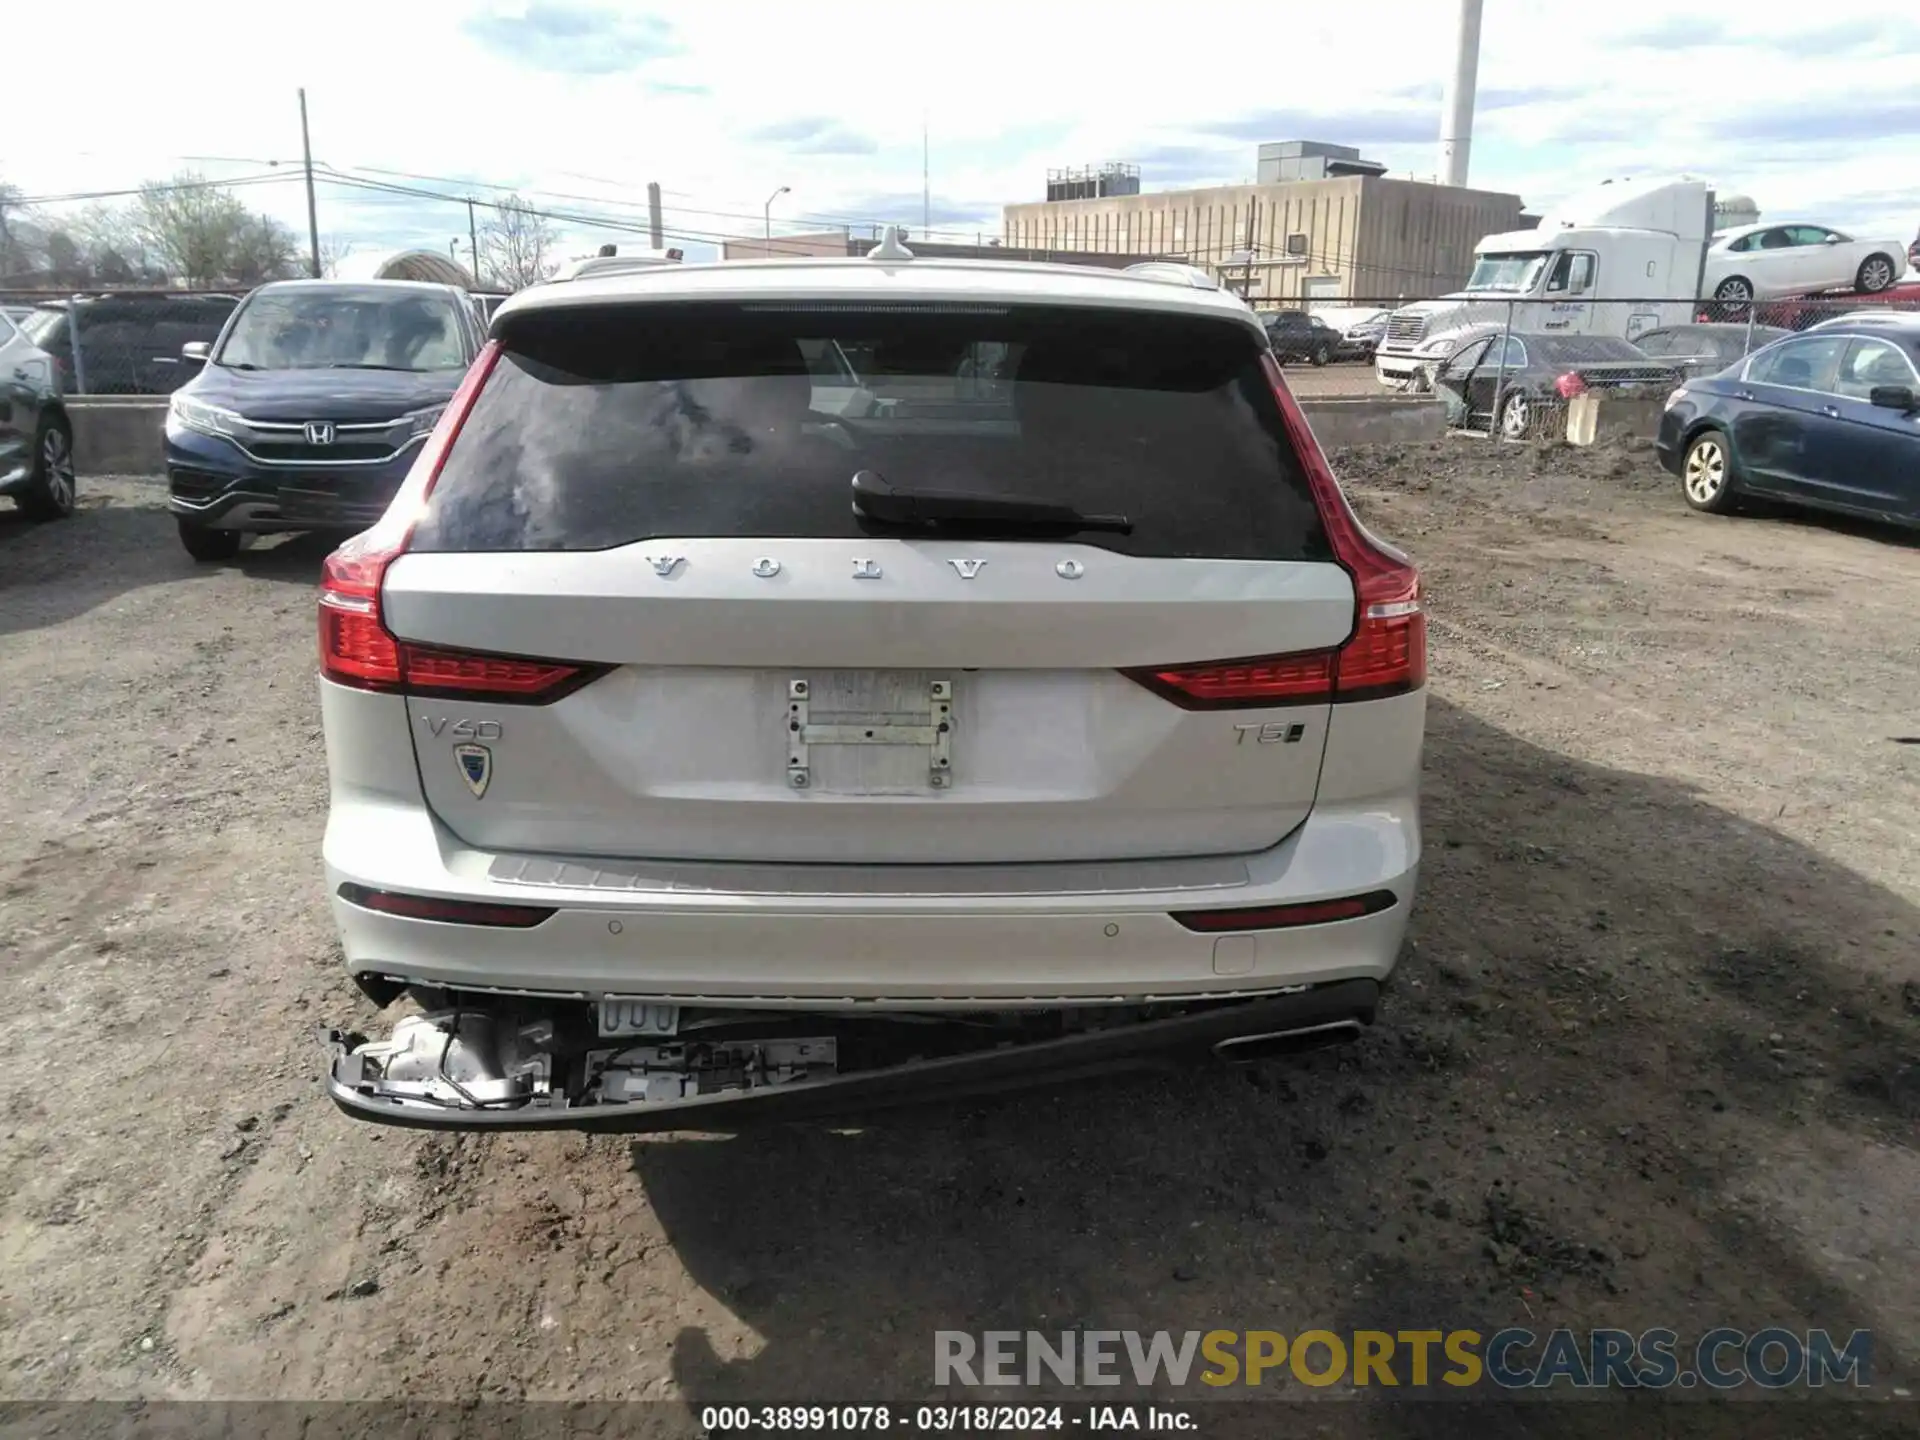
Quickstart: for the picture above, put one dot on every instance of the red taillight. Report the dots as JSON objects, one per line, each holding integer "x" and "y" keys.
{"x": 358, "y": 650}
{"x": 1282, "y": 917}
{"x": 1225, "y": 684}
{"x": 449, "y": 912}
{"x": 1385, "y": 655}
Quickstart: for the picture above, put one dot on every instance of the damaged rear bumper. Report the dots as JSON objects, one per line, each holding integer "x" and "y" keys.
{"x": 764, "y": 1080}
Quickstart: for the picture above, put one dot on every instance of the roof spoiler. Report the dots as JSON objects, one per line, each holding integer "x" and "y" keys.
{"x": 1171, "y": 272}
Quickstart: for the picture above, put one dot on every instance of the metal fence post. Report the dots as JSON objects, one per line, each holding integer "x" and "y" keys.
{"x": 73, "y": 340}
{"x": 1500, "y": 383}
{"x": 1747, "y": 347}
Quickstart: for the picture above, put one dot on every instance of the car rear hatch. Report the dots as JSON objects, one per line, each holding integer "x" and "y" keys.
{"x": 646, "y": 613}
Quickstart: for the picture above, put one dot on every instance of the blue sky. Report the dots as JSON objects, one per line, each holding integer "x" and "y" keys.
{"x": 1815, "y": 113}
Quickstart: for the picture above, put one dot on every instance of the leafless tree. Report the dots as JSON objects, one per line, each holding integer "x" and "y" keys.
{"x": 19, "y": 247}
{"x": 263, "y": 249}
{"x": 516, "y": 245}
{"x": 107, "y": 248}
{"x": 332, "y": 251}
{"x": 205, "y": 236}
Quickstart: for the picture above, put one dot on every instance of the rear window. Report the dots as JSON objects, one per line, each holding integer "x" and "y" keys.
{"x": 604, "y": 428}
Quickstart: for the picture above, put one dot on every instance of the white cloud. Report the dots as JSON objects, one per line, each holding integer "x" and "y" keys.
{"x": 722, "y": 104}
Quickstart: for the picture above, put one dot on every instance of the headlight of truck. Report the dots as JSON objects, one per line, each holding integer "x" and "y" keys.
{"x": 197, "y": 415}
{"x": 1675, "y": 398}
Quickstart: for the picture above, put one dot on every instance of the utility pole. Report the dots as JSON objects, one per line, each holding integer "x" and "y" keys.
{"x": 313, "y": 214}
{"x": 655, "y": 227}
{"x": 473, "y": 241}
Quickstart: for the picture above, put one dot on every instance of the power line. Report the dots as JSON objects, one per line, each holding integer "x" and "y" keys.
{"x": 156, "y": 188}
{"x": 566, "y": 217}
{"x": 804, "y": 216}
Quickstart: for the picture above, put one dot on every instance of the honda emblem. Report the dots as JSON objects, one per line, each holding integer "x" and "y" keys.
{"x": 319, "y": 432}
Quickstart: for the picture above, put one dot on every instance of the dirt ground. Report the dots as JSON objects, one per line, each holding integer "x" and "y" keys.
{"x": 1650, "y": 1059}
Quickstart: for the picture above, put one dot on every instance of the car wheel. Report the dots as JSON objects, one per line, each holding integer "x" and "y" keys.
{"x": 1514, "y": 416}
{"x": 1877, "y": 273}
{"x": 51, "y": 493}
{"x": 1320, "y": 355}
{"x": 1734, "y": 287}
{"x": 1706, "y": 475}
{"x": 203, "y": 543}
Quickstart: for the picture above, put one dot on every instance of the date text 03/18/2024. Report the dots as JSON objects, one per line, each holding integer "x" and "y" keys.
{"x": 943, "y": 1419}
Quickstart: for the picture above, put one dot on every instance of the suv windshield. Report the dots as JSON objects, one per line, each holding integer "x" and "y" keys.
{"x": 601, "y": 428}
{"x": 345, "y": 328}
{"x": 1515, "y": 271}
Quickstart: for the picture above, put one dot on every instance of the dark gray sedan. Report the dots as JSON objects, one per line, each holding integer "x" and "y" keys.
{"x": 36, "y": 438}
{"x": 1512, "y": 381}
{"x": 1706, "y": 349}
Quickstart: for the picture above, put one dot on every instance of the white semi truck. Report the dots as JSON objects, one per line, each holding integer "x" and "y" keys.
{"x": 1624, "y": 258}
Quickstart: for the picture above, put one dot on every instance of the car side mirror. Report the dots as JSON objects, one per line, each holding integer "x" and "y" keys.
{"x": 1831, "y": 240}
{"x": 1894, "y": 397}
{"x": 196, "y": 352}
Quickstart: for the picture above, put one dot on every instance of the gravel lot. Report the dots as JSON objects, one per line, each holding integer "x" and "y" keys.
{"x": 1651, "y": 1058}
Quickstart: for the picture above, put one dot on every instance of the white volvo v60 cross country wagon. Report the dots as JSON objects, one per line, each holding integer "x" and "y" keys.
{"x": 796, "y": 686}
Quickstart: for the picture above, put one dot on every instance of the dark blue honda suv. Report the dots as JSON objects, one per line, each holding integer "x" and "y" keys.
{"x": 311, "y": 406}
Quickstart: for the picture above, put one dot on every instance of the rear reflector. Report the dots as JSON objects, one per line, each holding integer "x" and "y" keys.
{"x": 1283, "y": 917}
{"x": 1386, "y": 653}
{"x": 450, "y": 912}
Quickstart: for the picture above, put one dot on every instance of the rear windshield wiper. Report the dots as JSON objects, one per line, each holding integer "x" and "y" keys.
{"x": 875, "y": 499}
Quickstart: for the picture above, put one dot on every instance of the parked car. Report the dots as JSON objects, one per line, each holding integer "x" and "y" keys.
{"x": 312, "y": 409}
{"x": 36, "y": 438}
{"x": 18, "y": 314}
{"x": 1508, "y": 384}
{"x": 1361, "y": 338}
{"x": 128, "y": 342}
{"x": 1296, "y": 335}
{"x": 700, "y": 754}
{"x": 1828, "y": 419}
{"x": 1805, "y": 311}
{"x": 1765, "y": 262}
{"x": 1705, "y": 349}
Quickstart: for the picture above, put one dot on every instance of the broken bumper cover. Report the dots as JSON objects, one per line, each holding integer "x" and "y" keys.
{"x": 1318, "y": 1014}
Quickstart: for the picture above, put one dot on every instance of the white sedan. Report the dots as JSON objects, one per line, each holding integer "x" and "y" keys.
{"x": 1769, "y": 262}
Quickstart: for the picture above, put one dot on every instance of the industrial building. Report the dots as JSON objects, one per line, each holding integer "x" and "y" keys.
{"x": 1320, "y": 223}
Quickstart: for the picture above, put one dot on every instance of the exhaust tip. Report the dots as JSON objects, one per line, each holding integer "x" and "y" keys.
{"x": 1245, "y": 1049}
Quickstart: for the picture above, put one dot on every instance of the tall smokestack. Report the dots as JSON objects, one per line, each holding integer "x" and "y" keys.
{"x": 1456, "y": 117}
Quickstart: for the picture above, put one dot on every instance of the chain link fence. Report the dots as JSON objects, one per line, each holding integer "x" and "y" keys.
{"x": 119, "y": 342}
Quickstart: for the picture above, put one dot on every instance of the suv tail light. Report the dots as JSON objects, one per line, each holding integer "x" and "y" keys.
{"x": 357, "y": 649}
{"x": 1385, "y": 655}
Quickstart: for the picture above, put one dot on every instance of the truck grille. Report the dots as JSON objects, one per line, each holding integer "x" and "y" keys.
{"x": 1406, "y": 329}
